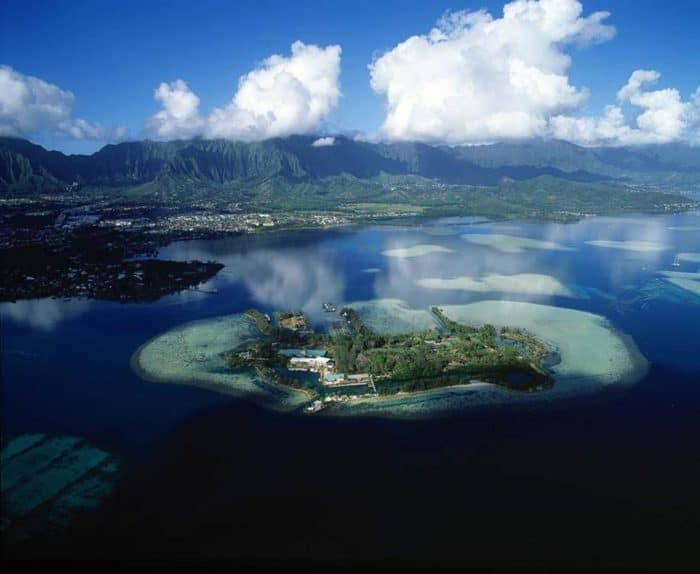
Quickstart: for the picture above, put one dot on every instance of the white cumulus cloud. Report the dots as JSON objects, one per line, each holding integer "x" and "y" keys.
{"x": 30, "y": 105}
{"x": 323, "y": 142}
{"x": 179, "y": 116}
{"x": 476, "y": 78}
{"x": 284, "y": 95}
{"x": 662, "y": 117}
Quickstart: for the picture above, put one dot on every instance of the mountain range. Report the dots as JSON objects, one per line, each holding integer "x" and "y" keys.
{"x": 26, "y": 167}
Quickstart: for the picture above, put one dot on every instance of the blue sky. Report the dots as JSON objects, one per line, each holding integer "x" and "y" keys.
{"x": 112, "y": 55}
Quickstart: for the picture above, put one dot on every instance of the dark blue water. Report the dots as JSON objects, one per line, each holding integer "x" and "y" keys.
{"x": 231, "y": 468}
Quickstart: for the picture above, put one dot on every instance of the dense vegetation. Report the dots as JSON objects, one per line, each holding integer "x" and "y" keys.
{"x": 260, "y": 321}
{"x": 414, "y": 361}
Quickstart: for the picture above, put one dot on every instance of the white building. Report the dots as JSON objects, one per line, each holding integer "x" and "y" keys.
{"x": 309, "y": 363}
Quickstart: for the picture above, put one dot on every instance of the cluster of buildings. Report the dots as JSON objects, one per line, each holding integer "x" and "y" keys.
{"x": 255, "y": 220}
{"x": 200, "y": 222}
{"x": 315, "y": 361}
{"x": 212, "y": 222}
{"x": 328, "y": 220}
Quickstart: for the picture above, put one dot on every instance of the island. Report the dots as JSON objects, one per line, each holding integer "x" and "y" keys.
{"x": 380, "y": 357}
{"x": 349, "y": 359}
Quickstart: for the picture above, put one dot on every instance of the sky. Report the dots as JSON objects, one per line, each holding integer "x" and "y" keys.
{"x": 75, "y": 75}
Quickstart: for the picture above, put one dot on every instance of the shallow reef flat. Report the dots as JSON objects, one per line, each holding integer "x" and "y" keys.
{"x": 635, "y": 246}
{"x": 192, "y": 354}
{"x": 55, "y": 476}
{"x": 17, "y": 445}
{"x": 689, "y": 257}
{"x": 592, "y": 352}
{"x": 688, "y": 281}
{"x": 512, "y": 243}
{"x": 521, "y": 283}
{"x": 416, "y": 251}
{"x": 86, "y": 494}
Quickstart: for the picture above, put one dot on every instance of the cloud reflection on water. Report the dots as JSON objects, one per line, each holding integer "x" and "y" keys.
{"x": 472, "y": 272}
{"x": 44, "y": 314}
{"x": 304, "y": 270}
{"x": 561, "y": 252}
{"x": 278, "y": 277}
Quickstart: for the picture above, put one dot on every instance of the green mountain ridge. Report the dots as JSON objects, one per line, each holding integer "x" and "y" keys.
{"x": 25, "y": 166}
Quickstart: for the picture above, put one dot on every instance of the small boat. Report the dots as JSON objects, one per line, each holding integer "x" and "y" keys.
{"x": 676, "y": 262}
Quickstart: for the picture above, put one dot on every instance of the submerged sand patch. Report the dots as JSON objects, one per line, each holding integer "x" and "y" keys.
{"x": 689, "y": 257}
{"x": 688, "y": 281}
{"x": 512, "y": 243}
{"x": 416, "y": 251}
{"x": 521, "y": 283}
{"x": 636, "y": 246}
{"x": 592, "y": 351}
{"x": 47, "y": 481}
